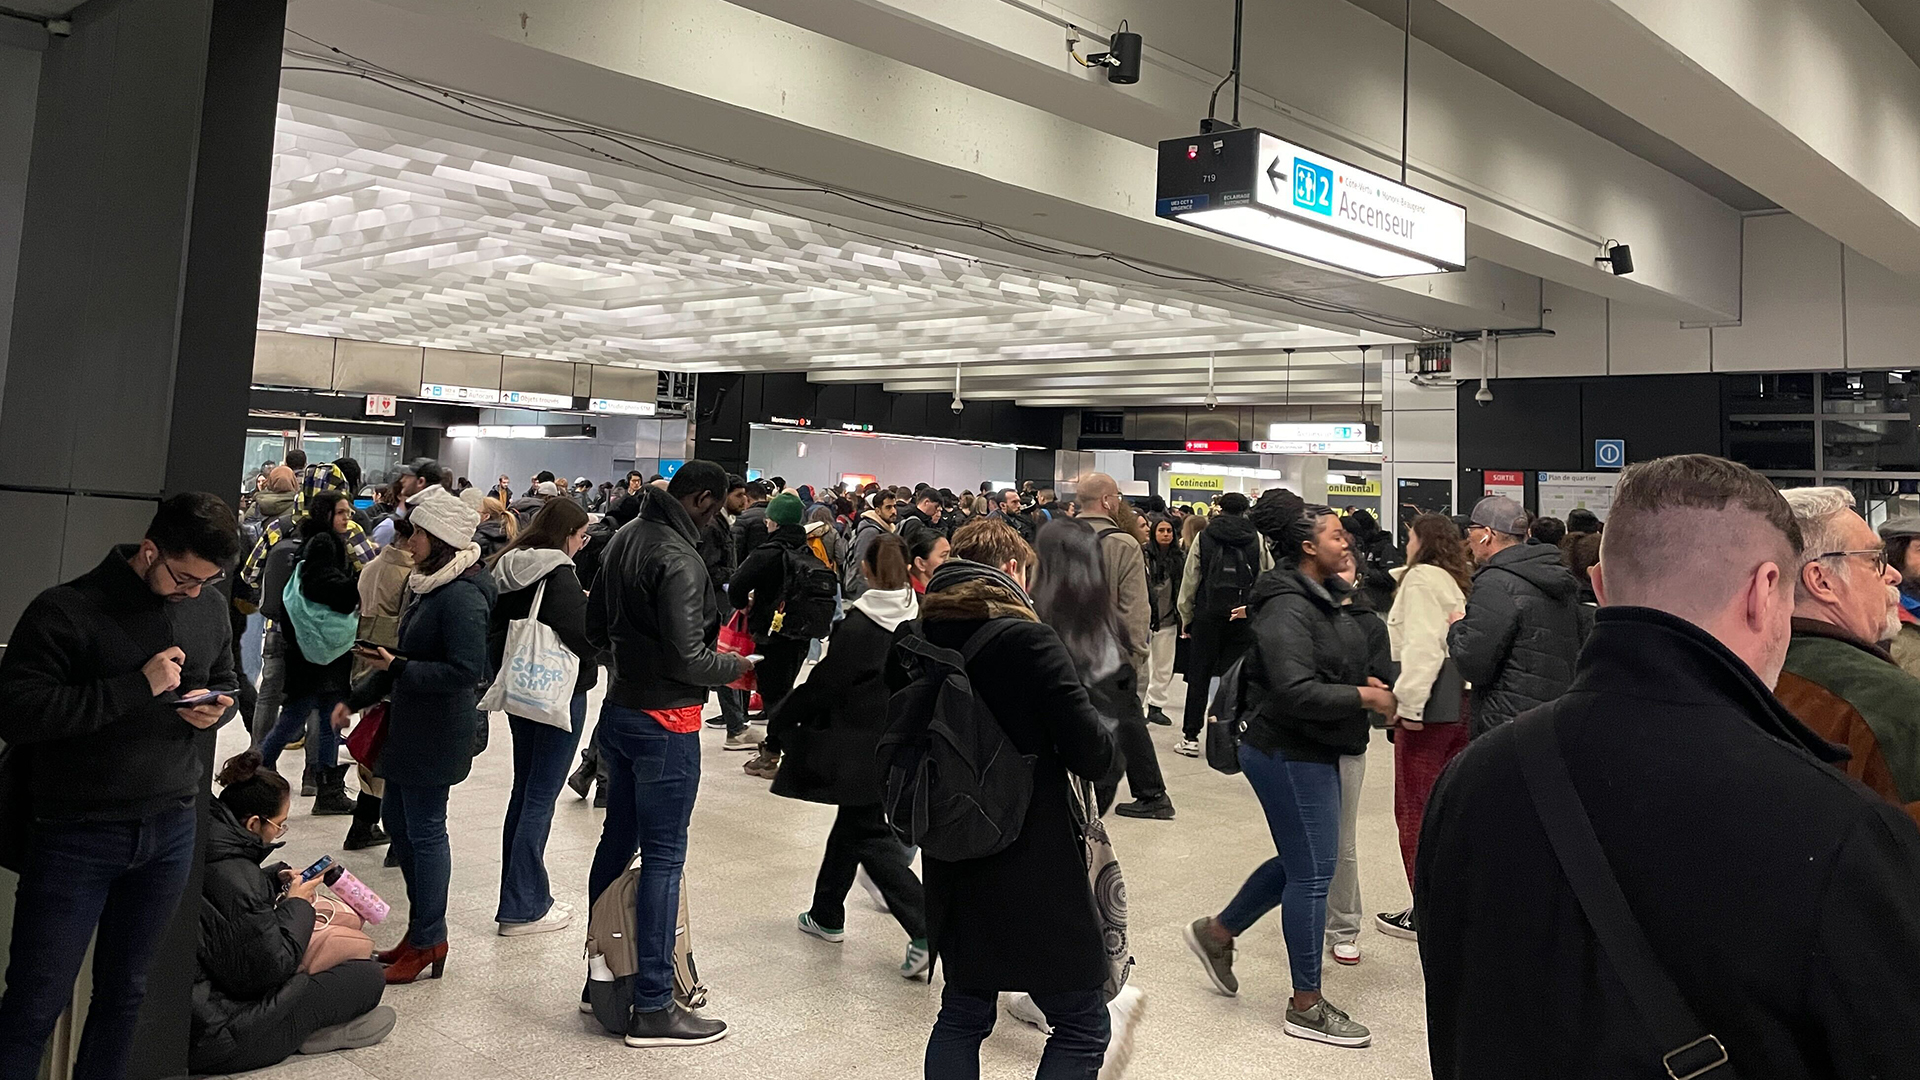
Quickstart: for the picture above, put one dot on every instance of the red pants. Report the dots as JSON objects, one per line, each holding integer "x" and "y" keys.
{"x": 1418, "y": 759}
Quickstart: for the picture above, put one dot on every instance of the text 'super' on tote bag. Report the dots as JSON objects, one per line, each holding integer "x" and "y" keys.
{"x": 537, "y": 672}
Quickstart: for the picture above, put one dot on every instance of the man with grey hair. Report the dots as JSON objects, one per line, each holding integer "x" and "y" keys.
{"x": 1839, "y": 679}
{"x": 1743, "y": 907}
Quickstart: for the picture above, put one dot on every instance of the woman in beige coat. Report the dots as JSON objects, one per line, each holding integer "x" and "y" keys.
{"x": 383, "y": 589}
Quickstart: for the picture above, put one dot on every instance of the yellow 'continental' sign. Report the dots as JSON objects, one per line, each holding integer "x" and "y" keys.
{"x": 1179, "y": 482}
{"x": 1370, "y": 488}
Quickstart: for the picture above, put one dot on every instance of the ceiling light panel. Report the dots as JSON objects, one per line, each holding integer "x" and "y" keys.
{"x": 387, "y": 232}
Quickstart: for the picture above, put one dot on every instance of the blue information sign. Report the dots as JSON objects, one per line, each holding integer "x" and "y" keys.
{"x": 1609, "y": 453}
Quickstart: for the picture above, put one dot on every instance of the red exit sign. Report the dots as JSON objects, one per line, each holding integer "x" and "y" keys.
{"x": 1212, "y": 446}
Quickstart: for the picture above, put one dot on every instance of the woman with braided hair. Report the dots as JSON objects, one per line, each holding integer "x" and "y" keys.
{"x": 1315, "y": 677}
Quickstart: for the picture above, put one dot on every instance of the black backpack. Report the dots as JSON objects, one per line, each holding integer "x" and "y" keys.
{"x": 955, "y": 786}
{"x": 809, "y": 597}
{"x": 1229, "y": 577}
{"x": 1234, "y": 705}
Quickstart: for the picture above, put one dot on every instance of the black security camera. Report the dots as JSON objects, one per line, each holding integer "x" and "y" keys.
{"x": 1122, "y": 58}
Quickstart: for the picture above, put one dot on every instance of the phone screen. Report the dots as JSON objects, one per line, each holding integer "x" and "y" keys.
{"x": 208, "y": 698}
{"x": 317, "y": 868}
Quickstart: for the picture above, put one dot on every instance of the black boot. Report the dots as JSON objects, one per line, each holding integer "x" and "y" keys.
{"x": 309, "y": 785}
{"x": 1156, "y": 715}
{"x": 366, "y": 831}
{"x": 332, "y": 799}
{"x": 582, "y": 779}
{"x": 1156, "y": 808}
{"x": 672, "y": 1026}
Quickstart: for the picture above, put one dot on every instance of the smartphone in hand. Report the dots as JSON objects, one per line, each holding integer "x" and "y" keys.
{"x": 210, "y": 697}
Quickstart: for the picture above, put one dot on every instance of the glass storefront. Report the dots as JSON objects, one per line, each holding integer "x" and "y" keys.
{"x": 1849, "y": 429}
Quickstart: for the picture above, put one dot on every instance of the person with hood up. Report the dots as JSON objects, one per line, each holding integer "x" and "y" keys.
{"x": 759, "y": 585}
{"x": 875, "y": 522}
{"x": 542, "y": 556}
{"x": 280, "y": 971}
{"x": 1521, "y": 635}
{"x": 313, "y": 685}
{"x": 1024, "y": 918}
{"x": 1317, "y": 677}
{"x": 1223, "y": 563}
{"x": 543, "y": 492}
{"x": 433, "y": 684}
{"x": 831, "y": 727}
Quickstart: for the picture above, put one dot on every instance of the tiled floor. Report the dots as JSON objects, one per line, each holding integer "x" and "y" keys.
{"x": 802, "y": 1008}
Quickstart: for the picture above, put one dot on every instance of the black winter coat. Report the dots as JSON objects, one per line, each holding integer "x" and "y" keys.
{"x": 653, "y": 616}
{"x": 749, "y": 531}
{"x": 564, "y": 607}
{"x": 1782, "y": 896}
{"x": 434, "y": 689}
{"x": 830, "y": 726}
{"x": 761, "y": 580}
{"x": 1217, "y": 640}
{"x": 716, "y": 550}
{"x": 251, "y": 941}
{"x": 1521, "y": 635}
{"x": 1314, "y": 656}
{"x": 326, "y": 577}
{"x": 1024, "y": 919}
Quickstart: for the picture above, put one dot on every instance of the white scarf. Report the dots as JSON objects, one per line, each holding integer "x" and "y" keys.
{"x": 461, "y": 562}
{"x": 889, "y": 607}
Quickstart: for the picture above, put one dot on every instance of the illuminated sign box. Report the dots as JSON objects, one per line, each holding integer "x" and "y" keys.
{"x": 619, "y": 407}
{"x": 1262, "y": 189}
{"x": 434, "y": 391}
{"x": 1213, "y": 446}
{"x": 527, "y": 399}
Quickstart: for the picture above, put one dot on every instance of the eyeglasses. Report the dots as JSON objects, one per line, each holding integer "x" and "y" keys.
{"x": 1878, "y": 555}
{"x": 185, "y": 581}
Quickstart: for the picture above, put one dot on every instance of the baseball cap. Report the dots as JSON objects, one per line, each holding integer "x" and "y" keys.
{"x": 1904, "y": 525}
{"x": 546, "y": 487}
{"x": 1501, "y": 514}
{"x": 425, "y": 468}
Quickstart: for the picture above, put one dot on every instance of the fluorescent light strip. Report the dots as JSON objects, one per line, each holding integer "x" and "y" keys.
{"x": 1294, "y": 238}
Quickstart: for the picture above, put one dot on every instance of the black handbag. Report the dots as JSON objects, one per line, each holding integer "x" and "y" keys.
{"x": 1695, "y": 1052}
{"x": 1443, "y": 701}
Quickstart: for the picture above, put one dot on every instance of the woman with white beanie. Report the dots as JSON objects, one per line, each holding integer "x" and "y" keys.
{"x": 432, "y": 682}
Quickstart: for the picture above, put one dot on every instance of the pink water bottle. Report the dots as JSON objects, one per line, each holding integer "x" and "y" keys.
{"x": 361, "y": 899}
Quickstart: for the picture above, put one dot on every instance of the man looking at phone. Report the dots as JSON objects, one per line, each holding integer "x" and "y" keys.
{"x": 654, "y": 613}
{"x": 105, "y": 755}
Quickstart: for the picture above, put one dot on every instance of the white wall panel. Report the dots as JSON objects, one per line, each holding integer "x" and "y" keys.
{"x": 1883, "y": 316}
{"x": 1641, "y": 342}
{"x": 1790, "y": 315}
{"x": 1578, "y": 345}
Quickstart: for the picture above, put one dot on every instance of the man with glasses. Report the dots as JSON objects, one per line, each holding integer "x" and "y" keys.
{"x": 1521, "y": 635}
{"x": 113, "y": 682}
{"x": 1839, "y": 678}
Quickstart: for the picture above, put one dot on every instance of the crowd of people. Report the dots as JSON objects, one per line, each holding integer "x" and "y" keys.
{"x": 1656, "y": 784}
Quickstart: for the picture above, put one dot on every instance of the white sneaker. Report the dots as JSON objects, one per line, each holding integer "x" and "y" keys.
{"x": 1346, "y": 952}
{"x": 873, "y": 890}
{"x": 1187, "y": 747}
{"x": 1022, "y": 1008}
{"x": 1124, "y": 1013}
{"x": 558, "y": 917}
{"x": 746, "y": 740}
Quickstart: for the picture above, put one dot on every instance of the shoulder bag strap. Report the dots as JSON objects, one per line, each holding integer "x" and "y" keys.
{"x": 1695, "y": 1051}
{"x": 982, "y": 638}
{"x": 539, "y": 594}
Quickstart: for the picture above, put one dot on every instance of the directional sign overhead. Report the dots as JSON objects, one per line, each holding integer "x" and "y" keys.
{"x": 1332, "y": 194}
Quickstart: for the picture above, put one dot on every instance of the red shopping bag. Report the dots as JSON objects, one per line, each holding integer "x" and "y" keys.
{"x": 735, "y": 639}
{"x": 369, "y": 735}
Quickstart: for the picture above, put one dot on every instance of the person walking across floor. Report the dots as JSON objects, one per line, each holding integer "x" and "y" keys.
{"x": 432, "y": 683}
{"x": 1126, "y": 578}
{"x": 1024, "y": 918}
{"x": 1317, "y": 679}
{"x": 1165, "y": 564}
{"x": 281, "y": 971}
{"x": 1428, "y": 730}
{"x": 1223, "y": 562}
{"x": 114, "y": 682}
{"x": 538, "y": 567}
{"x": 1738, "y": 875}
{"x": 789, "y": 604}
{"x": 1521, "y": 635}
{"x": 654, "y": 616}
{"x": 830, "y": 727}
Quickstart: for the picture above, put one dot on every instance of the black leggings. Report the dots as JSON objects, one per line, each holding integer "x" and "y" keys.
{"x": 775, "y": 677}
{"x": 269, "y": 1031}
{"x": 860, "y": 837}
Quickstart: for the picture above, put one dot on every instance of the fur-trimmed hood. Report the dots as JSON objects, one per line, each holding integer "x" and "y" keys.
{"x": 978, "y": 599}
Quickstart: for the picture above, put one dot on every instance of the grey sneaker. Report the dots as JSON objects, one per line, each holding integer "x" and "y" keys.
{"x": 746, "y": 740}
{"x": 1216, "y": 958}
{"x": 1326, "y": 1023}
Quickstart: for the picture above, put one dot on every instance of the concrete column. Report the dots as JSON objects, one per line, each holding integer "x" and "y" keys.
{"x": 132, "y": 322}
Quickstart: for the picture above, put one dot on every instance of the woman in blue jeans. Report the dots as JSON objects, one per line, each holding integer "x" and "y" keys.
{"x": 327, "y": 577}
{"x": 542, "y": 555}
{"x": 1316, "y": 679}
{"x": 432, "y": 683}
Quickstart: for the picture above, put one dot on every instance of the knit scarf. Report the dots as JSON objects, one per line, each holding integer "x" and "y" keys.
{"x": 461, "y": 562}
{"x": 969, "y": 590}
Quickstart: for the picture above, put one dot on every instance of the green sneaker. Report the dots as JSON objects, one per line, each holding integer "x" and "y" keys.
{"x": 1326, "y": 1023}
{"x": 824, "y": 933}
{"x": 919, "y": 959}
{"x": 1216, "y": 958}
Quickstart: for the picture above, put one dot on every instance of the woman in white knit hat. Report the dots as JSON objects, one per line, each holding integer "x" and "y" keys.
{"x": 433, "y": 685}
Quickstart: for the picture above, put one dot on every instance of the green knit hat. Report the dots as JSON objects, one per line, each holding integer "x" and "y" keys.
{"x": 786, "y": 510}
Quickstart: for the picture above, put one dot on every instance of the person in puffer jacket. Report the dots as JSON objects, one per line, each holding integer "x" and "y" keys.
{"x": 1521, "y": 635}
{"x": 274, "y": 978}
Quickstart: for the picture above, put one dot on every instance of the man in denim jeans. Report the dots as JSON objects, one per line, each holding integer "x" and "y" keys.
{"x": 654, "y": 613}
{"x": 102, "y": 772}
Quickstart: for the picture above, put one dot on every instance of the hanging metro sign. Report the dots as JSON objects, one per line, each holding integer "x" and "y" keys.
{"x": 1253, "y": 186}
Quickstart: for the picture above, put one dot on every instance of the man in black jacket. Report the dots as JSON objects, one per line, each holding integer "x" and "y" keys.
{"x": 654, "y": 613}
{"x": 1775, "y": 892}
{"x": 103, "y": 768}
{"x": 922, "y": 514}
{"x": 1522, "y": 632}
{"x": 750, "y": 524}
{"x": 716, "y": 548}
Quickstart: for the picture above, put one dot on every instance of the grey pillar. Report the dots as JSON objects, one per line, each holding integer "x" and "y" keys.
{"x": 133, "y": 316}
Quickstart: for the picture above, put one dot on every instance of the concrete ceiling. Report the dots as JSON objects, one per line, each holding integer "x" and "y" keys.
{"x": 1458, "y": 37}
{"x": 1901, "y": 20}
{"x": 391, "y": 228}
